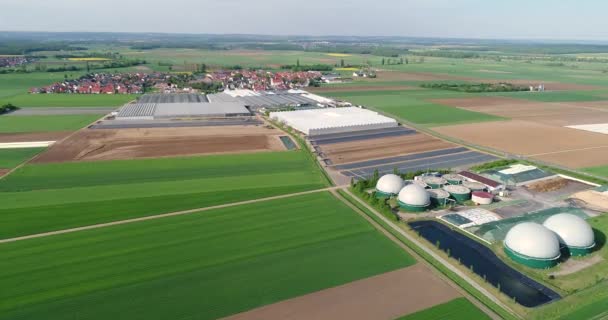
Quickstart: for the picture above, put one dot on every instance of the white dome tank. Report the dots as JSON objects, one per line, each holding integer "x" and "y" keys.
{"x": 533, "y": 240}
{"x": 414, "y": 195}
{"x": 390, "y": 184}
{"x": 571, "y": 230}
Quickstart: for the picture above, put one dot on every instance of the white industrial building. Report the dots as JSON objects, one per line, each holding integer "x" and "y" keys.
{"x": 314, "y": 122}
{"x": 155, "y": 111}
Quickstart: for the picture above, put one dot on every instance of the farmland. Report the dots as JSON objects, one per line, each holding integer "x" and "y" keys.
{"x": 10, "y": 158}
{"x": 68, "y": 100}
{"x": 24, "y": 124}
{"x": 600, "y": 171}
{"x": 117, "y": 190}
{"x": 458, "y": 309}
{"x": 236, "y": 258}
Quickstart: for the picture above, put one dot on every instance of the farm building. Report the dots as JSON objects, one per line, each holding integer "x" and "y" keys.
{"x": 490, "y": 184}
{"x": 532, "y": 245}
{"x": 315, "y": 122}
{"x": 573, "y": 232}
{"x": 389, "y": 185}
{"x": 155, "y": 111}
{"x": 414, "y": 198}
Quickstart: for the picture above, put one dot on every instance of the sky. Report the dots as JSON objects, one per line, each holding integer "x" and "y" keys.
{"x": 492, "y": 19}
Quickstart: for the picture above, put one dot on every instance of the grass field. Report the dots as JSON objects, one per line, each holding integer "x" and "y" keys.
{"x": 78, "y": 194}
{"x": 416, "y": 110}
{"x": 10, "y": 158}
{"x": 457, "y": 309}
{"x": 599, "y": 171}
{"x": 68, "y": 100}
{"x": 199, "y": 266}
{"x": 556, "y": 96}
{"x": 20, "y": 124}
{"x": 594, "y": 311}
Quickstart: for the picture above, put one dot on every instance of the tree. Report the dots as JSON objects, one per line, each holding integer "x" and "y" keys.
{"x": 342, "y": 63}
{"x": 383, "y": 61}
{"x": 376, "y": 175}
{"x": 298, "y": 63}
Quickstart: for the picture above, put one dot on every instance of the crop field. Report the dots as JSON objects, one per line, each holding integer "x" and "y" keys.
{"x": 68, "y": 100}
{"x": 199, "y": 266}
{"x": 556, "y": 96}
{"x": 15, "y": 84}
{"x": 416, "y": 110}
{"x": 600, "y": 171}
{"x": 10, "y": 158}
{"x": 23, "y": 124}
{"x": 86, "y": 193}
{"x": 457, "y": 309}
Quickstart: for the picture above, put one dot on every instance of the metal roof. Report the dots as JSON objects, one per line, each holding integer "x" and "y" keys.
{"x": 168, "y": 110}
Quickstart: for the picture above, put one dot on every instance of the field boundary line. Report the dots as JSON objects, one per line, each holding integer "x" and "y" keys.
{"x": 565, "y": 151}
{"x": 164, "y": 215}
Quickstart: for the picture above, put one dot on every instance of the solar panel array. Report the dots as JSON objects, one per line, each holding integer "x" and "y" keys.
{"x": 173, "y": 98}
{"x": 325, "y": 139}
{"x": 276, "y": 100}
{"x": 138, "y": 110}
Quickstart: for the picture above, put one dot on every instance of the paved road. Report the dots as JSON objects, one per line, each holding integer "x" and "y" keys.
{"x": 51, "y": 111}
{"x": 432, "y": 254}
{"x": 161, "y": 216}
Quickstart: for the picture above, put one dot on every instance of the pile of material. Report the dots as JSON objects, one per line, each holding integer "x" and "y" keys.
{"x": 548, "y": 185}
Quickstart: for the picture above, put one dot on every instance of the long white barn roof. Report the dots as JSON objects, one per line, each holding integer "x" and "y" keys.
{"x": 313, "y": 121}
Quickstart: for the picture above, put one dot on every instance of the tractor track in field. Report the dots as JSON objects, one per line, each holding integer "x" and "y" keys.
{"x": 165, "y": 215}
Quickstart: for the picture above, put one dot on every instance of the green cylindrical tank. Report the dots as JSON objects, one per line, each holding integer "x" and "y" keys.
{"x": 458, "y": 193}
{"x": 453, "y": 178}
{"x": 474, "y": 186}
{"x": 434, "y": 182}
{"x": 439, "y": 197}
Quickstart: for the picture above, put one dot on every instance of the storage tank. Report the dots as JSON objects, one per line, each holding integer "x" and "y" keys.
{"x": 482, "y": 197}
{"x": 434, "y": 182}
{"x": 573, "y": 232}
{"x": 453, "y": 178}
{"x": 389, "y": 185}
{"x": 533, "y": 245}
{"x": 474, "y": 186}
{"x": 414, "y": 198}
{"x": 439, "y": 197}
{"x": 458, "y": 192}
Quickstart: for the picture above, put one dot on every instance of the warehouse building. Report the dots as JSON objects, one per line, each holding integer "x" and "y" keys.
{"x": 573, "y": 232}
{"x": 159, "y": 111}
{"x": 315, "y": 122}
{"x": 532, "y": 245}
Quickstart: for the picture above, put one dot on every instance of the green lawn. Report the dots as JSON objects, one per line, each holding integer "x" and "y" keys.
{"x": 68, "y": 100}
{"x": 556, "y": 96}
{"x": 10, "y": 158}
{"x": 457, "y": 309}
{"x": 595, "y": 311}
{"x": 77, "y": 194}
{"x": 599, "y": 171}
{"x": 200, "y": 266}
{"x": 20, "y": 124}
{"x": 417, "y": 110}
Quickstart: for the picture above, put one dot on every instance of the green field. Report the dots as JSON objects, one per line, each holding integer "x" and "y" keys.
{"x": 10, "y": 158}
{"x": 599, "y": 171}
{"x": 594, "y": 311}
{"x": 21, "y": 124}
{"x": 556, "y": 96}
{"x": 417, "y": 110}
{"x": 457, "y": 309}
{"x": 78, "y": 194}
{"x": 68, "y": 100}
{"x": 199, "y": 266}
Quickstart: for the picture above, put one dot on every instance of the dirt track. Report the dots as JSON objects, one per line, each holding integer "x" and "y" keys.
{"x": 381, "y": 148}
{"x": 4, "y": 171}
{"x": 35, "y": 136}
{"x": 386, "y": 296}
{"x": 564, "y": 146}
{"x": 161, "y": 142}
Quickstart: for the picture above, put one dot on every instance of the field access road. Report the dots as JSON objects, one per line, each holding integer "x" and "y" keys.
{"x": 431, "y": 253}
{"x": 165, "y": 215}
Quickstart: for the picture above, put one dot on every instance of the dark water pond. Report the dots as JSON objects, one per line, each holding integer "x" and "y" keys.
{"x": 288, "y": 143}
{"x": 486, "y": 264}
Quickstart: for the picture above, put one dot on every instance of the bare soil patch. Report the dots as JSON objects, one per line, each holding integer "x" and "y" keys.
{"x": 573, "y": 266}
{"x": 355, "y": 151}
{"x": 564, "y": 146}
{"x": 493, "y": 71}
{"x": 558, "y": 114}
{"x": 360, "y": 88}
{"x": 548, "y": 185}
{"x": 33, "y": 136}
{"x": 386, "y": 296}
{"x": 4, "y": 172}
{"x": 91, "y": 144}
{"x": 593, "y": 199}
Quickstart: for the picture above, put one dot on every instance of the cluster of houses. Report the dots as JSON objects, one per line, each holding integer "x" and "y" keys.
{"x": 264, "y": 80}
{"x": 102, "y": 83}
{"x": 14, "y": 61}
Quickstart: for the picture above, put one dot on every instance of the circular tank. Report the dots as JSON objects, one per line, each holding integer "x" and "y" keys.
{"x": 458, "y": 192}
{"x": 414, "y": 198}
{"x": 453, "y": 178}
{"x": 481, "y": 197}
{"x": 533, "y": 245}
{"x": 439, "y": 197}
{"x": 434, "y": 182}
{"x": 474, "y": 186}
{"x": 573, "y": 232}
{"x": 389, "y": 185}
